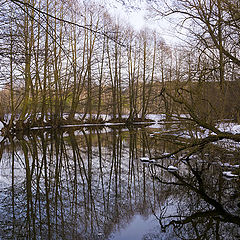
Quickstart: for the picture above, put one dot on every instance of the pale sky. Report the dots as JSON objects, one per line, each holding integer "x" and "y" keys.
{"x": 135, "y": 12}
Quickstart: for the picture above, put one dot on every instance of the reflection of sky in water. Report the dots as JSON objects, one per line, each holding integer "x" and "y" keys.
{"x": 145, "y": 228}
{"x": 137, "y": 228}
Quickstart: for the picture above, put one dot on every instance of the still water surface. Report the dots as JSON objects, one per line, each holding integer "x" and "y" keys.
{"x": 91, "y": 184}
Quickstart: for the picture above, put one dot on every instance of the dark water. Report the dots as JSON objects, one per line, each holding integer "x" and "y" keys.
{"x": 90, "y": 184}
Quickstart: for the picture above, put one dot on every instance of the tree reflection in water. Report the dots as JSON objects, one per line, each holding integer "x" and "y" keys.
{"x": 206, "y": 203}
{"x": 89, "y": 183}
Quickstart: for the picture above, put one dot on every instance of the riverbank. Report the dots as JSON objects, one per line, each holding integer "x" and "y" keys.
{"x": 23, "y": 127}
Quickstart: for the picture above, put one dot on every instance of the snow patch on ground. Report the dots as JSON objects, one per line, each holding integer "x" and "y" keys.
{"x": 229, "y": 174}
{"x": 229, "y": 127}
{"x": 156, "y": 117}
{"x": 236, "y": 129}
{"x": 1, "y": 126}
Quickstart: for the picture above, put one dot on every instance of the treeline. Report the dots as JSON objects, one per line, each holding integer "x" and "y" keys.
{"x": 66, "y": 57}
{"x": 211, "y": 88}
{"x": 63, "y": 57}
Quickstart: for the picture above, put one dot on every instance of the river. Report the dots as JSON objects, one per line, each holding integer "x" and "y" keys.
{"x": 90, "y": 183}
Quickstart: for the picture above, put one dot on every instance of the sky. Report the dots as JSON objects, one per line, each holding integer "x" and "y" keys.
{"x": 137, "y": 14}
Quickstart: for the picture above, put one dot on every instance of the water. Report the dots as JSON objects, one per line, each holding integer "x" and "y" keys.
{"x": 90, "y": 184}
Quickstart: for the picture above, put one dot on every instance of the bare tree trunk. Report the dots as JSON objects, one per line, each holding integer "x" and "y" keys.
{"x": 45, "y": 68}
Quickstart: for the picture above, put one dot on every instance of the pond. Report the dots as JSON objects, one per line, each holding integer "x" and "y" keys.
{"x": 90, "y": 183}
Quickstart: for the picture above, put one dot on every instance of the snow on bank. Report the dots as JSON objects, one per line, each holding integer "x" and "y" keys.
{"x": 236, "y": 129}
{"x": 229, "y": 127}
{"x": 158, "y": 122}
{"x": 156, "y": 117}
